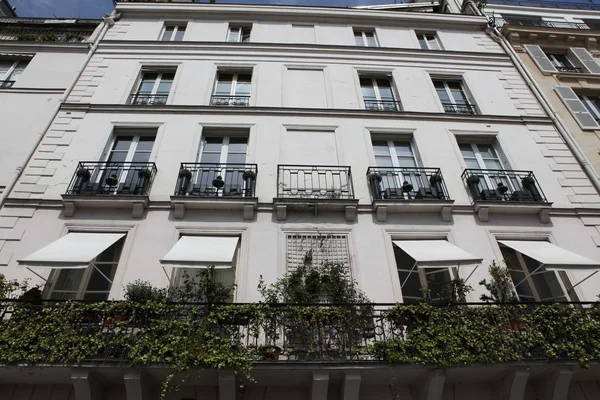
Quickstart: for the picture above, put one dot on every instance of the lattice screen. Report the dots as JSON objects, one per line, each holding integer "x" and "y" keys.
{"x": 325, "y": 247}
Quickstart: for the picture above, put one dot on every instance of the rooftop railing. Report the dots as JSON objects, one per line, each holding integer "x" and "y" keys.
{"x": 546, "y": 24}
{"x": 112, "y": 178}
{"x": 45, "y": 34}
{"x": 548, "y": 4}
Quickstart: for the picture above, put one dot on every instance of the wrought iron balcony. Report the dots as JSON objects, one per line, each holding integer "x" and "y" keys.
{"x": 314, "y": 182}
{"x": 382, "y": 105}
{"x": 549, "y": 4}
{"x": 569, "y": 69}
{"x": 230, "y": 101}
{"x": 390, "y": 183}
{"x": 148, "y": 99}
{"x": 45, "y": 34}
{"x": 112, "y": 179}
{"x": 503, "y": 186}
{"x": 459, "y": 108}
{"x": 478, "y": 334}
{"x": 6, "y": 84}
{"x": 216, "y": 180}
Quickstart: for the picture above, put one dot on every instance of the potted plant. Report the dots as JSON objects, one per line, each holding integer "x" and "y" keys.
{"x": 185, "y": 177}
{"x": 473, "y": 182}
{"x": 218, "y": 182}
{"x": 502, "y": 188}
{"x": 406, "y": 187}
{"x": 249, "y": 177}
{"x": 269, "y": 353}
{"x": 375, "y": 179}
{"x": 112, "y": 180}
{"x": 530, "y": 186}
{"x": 82, "y": 176}
{"x": 144, "y": 176}
{"x": 435, "y": 181}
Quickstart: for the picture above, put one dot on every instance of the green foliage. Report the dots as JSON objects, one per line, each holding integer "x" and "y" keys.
{"x": 31, "y": 37}
{"x": 500, "y": 287}
{"x": 202, "y": 288}
{"x": 143, "y": 291}
{"x": 12, "y": 288}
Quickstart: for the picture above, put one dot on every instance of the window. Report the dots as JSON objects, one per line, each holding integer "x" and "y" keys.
{"x": 428, "y": 41}
{"x": 453, "y": 97}
{"x": 239, "y": 33}
{"x": 173, "y": 33}
{"x": 317, "y": 248}
{"x": 532, "y": 281}
{"x": 592, "y": 104}
{"x": 10, "y": 71}
{"x": 365, "y": 38}
{"x": 414, "y": 279}
{"x": 397, "y": 167}
{"x": 91, "y": 283}
{"x": 154, "y": 88}
{"x": 378, "y": 94}
{"x": 480, "y": 156}
{"x": 562, "y": 63}
{"x": 232, "y": 89}
{"x": 224, "y": 150}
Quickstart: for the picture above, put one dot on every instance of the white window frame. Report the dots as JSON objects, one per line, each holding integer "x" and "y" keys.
{"x": 156, "y": 83}
{"x": 130, "y": 152}
{"x": 427, "y": 41}
{"x": 176, "y": 28}
{"x": 528, "y": 274}
{"x": 507, "y": 181}
{"x": 85, "y": 279}
{"x": 234, "y": 81}
{"x": 392, "y": 150}
{"x": 592, "y": 107}
{"x": 224, "y": 146}
{"x": 376, "y": 89}
{"x": 557, "y": 63}
{"x": 11, "y": 69}
{"x": 363, "y": 34}
{"x": 480, "y": 160}
{"x": 240, "y": 29}
{"x": 449, "y": 92}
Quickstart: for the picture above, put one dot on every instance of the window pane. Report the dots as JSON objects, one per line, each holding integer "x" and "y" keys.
{"x": 141, "y": 157}
{"x": 246, "y": 34}
{"x": 238, "y": 145}
{"x": 403, "y": 149}
{"x": 123, "y": 143}
{"x": 211, "y": 158}
{"x": 69, "y": 279}
{"x": 179, "y": 34}
{"x": 457, "y": 93}
{"x": 4, "y": 67}
{"x": 380, "y": 147}
{"x": 243, "y": 85}
{"x": 117, "y": 156}
{"x": 384, "y": 161}
{"x": 406, "y": 162}
{"x": 145, "y": 143}
{"x": 546, "y": 283}
{"x": 487, "y": 151}
{"x": 236, "y": 158}
{"x": 441, "y": 91}
{"x": 168, "y": 33}
{"x": 97, "y": 281}
{"x": 422, "y": 41}
{"x": 358, "y": 38}
{"x": 148, "y": 81}
{"x": 517, "y": 274}
{"x": 111, "y": 254}
{"x": 164, "y": 87}
{"x": 213, "y": 144}
{"x": 18, "y": 70}
{"x": 368, "y": 91}
{"x": 432, "y": 42}
{"x": 412, "y": 285}
{"x": 385, "y": 89}
{"x": 472, "y": 163}
{"x": 492, "y": 164}
{"x": 371, "y": 39}
{"x": 437, "y": 280}
{"x": 224, "y": 85}
{"x": 234, "y": 35}
{"x": 466, "y": 150}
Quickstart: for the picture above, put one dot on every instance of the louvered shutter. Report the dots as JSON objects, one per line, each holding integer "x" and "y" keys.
{"x": 539, "y": 57}
{"x": 586, "y": 60}
{"x": 576, "y": 107}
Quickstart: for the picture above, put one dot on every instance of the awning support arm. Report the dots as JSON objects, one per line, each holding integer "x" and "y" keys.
{"x": 408, "y": 276}
{"x": 583, "y": 280}
{"x": 38, "y": 275}
{"x": 101, "y": 273}
{"x": 471, "y": 274}
{"x": 524, "y": 279}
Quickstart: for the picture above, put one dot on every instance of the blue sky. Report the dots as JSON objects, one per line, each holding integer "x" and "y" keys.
{"x": 97, "y": 8}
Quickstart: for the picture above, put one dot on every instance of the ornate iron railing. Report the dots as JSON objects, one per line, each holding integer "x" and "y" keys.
{"x": 112, "y": 178}
{"x": 459, "y": 108}
{"x": 147, "y": 99}
{"x": 216, "y": 180}
{"x": 503, "y": 185}
{"x": 6, "y": 84}
{"x": 542, "y": 24}
{"x": 569, "y": 69}
{"x": 45, "y": 34}
{"x": 549, "y": 4}
{"x": 382, "y": 105}
{"x": 300, "y": 333}
{"x": 230, "y": 101}
{"x": 390, "y": 183}
{"x": 316, "y": 182}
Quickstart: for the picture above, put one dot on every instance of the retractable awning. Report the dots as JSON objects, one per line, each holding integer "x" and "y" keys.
{"x": 72, "y": 251}
{"x": 435, "y": 253}
{"x": 201, "y": 252}
{"x": 551, "y": 256}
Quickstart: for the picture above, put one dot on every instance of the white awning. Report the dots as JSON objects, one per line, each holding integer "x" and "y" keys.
{"x": 551, "y": 256}
{"x": 436, "y": 253}
{"x": 72, "y": 251}
{"x": 201, "y": 252}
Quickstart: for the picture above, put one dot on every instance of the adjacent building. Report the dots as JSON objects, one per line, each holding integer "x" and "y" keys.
{"x": 404, "y": 145}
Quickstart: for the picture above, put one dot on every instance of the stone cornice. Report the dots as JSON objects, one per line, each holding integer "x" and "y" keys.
{"x": 303, "y": 112}
{"x": 233, "y": 12}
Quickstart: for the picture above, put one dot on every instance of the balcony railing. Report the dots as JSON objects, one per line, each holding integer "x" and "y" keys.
{"x": 44, "y": 34}
{"x": 569, "y": 69}
{"x": 216, "y": 180}
{"x": 314, "y": 182}
{"x": 459, "y": 108}
{"x": 390, "y": 183}
{"x": 121, "y": 332}
{"x": 6, "y": 84}
{"x": 112, "y": 178}
{"x": 544, "y": 24}
{"x": 382, "y": 105}
{"x": 549, "y": 4}
{"x": 148, "y": 99}
{"x": 503, "y": 185}
{"x": 230, "y": 101}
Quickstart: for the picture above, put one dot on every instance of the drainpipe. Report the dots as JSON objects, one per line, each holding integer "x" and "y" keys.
{"x": 108, "y": 21}
{"x": 581, "y": 158}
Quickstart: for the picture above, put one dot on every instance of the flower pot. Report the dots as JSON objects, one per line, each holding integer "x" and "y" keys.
{"x": 270, "y": 353}
{"x": 112, "y": 180}
{"x": 375, "y": 179}
{"x": 83, "y": 175}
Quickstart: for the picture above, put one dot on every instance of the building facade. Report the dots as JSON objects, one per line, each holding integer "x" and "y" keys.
{"x": 403, "y": 145}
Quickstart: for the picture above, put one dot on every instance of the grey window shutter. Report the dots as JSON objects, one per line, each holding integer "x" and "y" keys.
{"x": 585, "y": 59}
{"x": 576, "y": 107}
{"x": 539, "y": 57}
